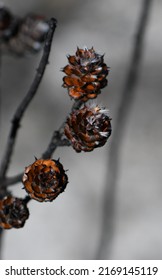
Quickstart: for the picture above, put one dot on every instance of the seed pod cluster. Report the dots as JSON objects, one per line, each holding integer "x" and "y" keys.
{"x": 85, "y": 74}
{"x": 13, "y": 212}
{"x": 21, "y": 36}
{"x": 44, "y": 180}
{"x": 88, "y": 128}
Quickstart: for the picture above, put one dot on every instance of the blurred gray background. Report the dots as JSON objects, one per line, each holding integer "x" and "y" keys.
{"x": 70, "y": 227}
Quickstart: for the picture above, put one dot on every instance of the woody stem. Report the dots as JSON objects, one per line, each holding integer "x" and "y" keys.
{"x": 25, "y": 102}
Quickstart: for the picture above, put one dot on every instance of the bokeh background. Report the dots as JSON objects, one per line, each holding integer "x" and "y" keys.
{"x": 71, "y": 226}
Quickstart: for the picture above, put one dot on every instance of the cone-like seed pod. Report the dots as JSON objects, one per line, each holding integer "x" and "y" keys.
{"x": 21, "y": 36}
{"x": 13, "y": 212}
{"x": 5, "y": 19}
{"x": 31, "y": 35}
{"x": 88, "y": 128}
{"x": 8, "y": 25}
{"x": 86, "y": 74}
{"x": 44, "y": 180}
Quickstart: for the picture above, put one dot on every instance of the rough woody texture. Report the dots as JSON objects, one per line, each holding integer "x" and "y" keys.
{"x": 44, "y": 180}
{"x": 13, "y": 212}
{"x": 21, "y": 36}
{"x": 88, "y": 128}
{"x": 86, "y": 74}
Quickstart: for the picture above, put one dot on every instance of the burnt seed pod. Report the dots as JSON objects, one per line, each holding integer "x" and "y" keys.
{"x": 8, "y": 25}
{"x": 13, "y": 212}
{"x": 32, "y": 33}
{"x": 88, "y": 128}
{"x": 44, "y": 180}
{"x": 5, "y": 18}
{"x": 22, "y": 36}
{"x": 85, "y": 74}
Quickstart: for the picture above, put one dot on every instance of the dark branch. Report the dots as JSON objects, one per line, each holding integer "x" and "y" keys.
{"x": 77, "y": 104}
{"x": 55, "y": 142}
{"x": 127, "y": 98}
{"x": 13, "y": 180}
{"x": 26, "y": 101}
{"x": 57, "y": 139}
{"x": 27, "y": 199}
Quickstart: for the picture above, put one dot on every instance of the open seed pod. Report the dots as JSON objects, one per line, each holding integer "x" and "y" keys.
{"x": 44, "y": 180}
{"x": 88, "y": 128}
{"x": 85, "y": 74}
{"x": 13, "y": 212}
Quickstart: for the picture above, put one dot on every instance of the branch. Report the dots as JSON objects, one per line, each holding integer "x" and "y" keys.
{"x": 56, "y": 139}
{"x": 26, "y": 101}
{"x": 55, "y": 142}
{"x": 127, "y": 98}
{"x": 77, "y": 104}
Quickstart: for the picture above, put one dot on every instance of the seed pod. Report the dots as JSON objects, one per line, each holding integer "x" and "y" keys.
{"x": 22, "y": 36}
{"x": 5, "y": 18}
{"x": 31, "y": 35}
{"x": 8, "y": 25}
{"x": 86, "y": 74}
{"x": 44, "y": 180}
{"x": 88, "y": 128}
{"x": 13, "y": 212}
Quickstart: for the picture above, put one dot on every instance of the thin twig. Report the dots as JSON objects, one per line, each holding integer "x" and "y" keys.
{"x": 26, "y": 101}
{"x": 127, "y": 97}
{"x": 13, "y": 179}
{"x": 56, "y": 139}
{"x": 27, "y": 199}
{"x": 55, "y": 142}
{"x": 77, "y": 104}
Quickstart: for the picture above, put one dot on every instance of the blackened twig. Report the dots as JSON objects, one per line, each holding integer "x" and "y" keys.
{"x": 26, "y": 101}
{"x": 127, "y": 98}
{"x": 13, "y": 180}
{"x": 55, "y": 142}
{"x": 27, "y": 199}
{"x": 56, "y": 139}
{"x": 77, "y": 104}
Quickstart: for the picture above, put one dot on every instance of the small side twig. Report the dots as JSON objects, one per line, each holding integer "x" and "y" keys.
{"x": 27, "y": 199}
{"x": 77, "y": 104}
{"x": 26, "y": 101}
{"x": 57, "y": 140}
{"x": 127, "y": 98}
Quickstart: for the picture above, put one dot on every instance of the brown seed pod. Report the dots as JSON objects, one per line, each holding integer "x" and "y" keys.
{"x": 32, "y": 32}
{"x": 25, "y": 35}
{"x": 88, "y": 128}
{"x": 13, "y": 212}
{"x": 86, "y": 74}
{"x": 8, "y": 25}
{"x": 5, "y": 18}
{"x": 44, "y": 180}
